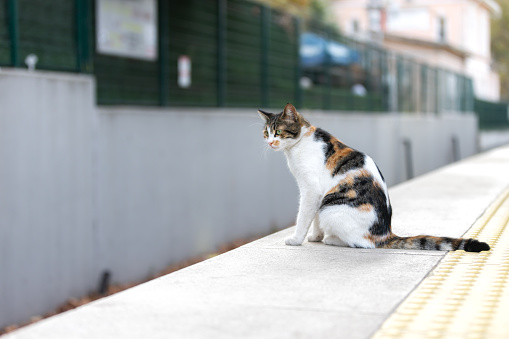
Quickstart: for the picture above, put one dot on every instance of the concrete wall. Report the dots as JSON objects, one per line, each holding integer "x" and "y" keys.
{"x": 47, "y": 218}
{"x": 183, "y": 182}
{"x": 131, "y": 190}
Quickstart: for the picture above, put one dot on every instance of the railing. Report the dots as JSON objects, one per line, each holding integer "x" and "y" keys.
{"x": 492, "y": 115}
{"x": 242, "y": 54}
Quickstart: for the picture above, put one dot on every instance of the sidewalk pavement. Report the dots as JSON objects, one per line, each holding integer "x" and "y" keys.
{"x": 268, "y": 290}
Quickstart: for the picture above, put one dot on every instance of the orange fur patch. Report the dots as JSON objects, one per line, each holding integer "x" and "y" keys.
{"x": 338, "y": 154}
{"x": 351, "y": 194}
{"x": 456, "y": 243}
{"x": 333, "y": 189}
{"x": 348, "y": 180}
{"x": 365, "y": 207}
{"x": 364, "y": 173}
{"x": 310, "y": 132}
{"x": 377, "y": 239}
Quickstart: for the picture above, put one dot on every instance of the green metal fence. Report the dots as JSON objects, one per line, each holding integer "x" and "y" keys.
{"x": 199, "y": 42}
{"x": 243, "y": 54}
{"x": 5, "y": 41}
{"x": 46, "y": 29}
{"x": 492, "y": 115}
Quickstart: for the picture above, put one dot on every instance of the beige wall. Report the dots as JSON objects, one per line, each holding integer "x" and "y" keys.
{"x": 432, "y": 56}
{"x": 467, "y": 28}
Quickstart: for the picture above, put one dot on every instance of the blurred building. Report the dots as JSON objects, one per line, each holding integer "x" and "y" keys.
{"x": 450, "y": 34}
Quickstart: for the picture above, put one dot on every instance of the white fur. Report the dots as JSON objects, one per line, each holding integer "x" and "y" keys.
{"x": 370, "y": 165}
{"x": 341, "y": 225}
{"x": 306, "y": 162}
{"x": 335, "y": 225}
{"x": 348, "y": 224}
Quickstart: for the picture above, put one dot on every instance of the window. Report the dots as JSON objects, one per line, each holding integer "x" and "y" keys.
{"x": 355, "y": 26}
{"x": 442, "y": 30}
{"x": 375, "y": 20}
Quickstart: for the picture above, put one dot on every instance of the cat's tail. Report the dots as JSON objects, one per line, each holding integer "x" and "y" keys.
{"x": 426, "y": 242}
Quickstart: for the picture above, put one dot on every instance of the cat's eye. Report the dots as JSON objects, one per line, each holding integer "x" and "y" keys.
{"x": 278, "y": 132}
{"x": 266, "y": 133}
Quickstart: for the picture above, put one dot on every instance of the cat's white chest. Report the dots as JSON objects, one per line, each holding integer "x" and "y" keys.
{"x": 306, "y": 162}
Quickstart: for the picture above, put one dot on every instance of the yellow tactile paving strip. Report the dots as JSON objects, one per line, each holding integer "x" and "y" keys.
{"x": 467, "y": 294}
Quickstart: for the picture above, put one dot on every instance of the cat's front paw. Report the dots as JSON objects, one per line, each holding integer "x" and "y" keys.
{"x": 292, "y": 241}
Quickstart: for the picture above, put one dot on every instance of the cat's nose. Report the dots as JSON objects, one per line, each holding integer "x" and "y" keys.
{"x": 270, "y": 143}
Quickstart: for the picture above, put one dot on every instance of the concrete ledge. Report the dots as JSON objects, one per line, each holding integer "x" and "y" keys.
{"x": 86, "y": 190}
{"x": 268, "y": 290}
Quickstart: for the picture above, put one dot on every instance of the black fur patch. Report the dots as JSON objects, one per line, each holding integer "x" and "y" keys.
{"x": 290, "y": 129}
{"x": 325, "y": 137}
{"x": 321, "y": 135}
{"x": 352, "y": 161}
{"x": 472, "y": 245}
{"x": 422, "y": 244}
{"x": 366, "y": 193}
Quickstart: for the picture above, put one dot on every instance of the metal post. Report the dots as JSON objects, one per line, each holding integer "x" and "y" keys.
{"x": 459, "y": 91}
{"x": 384, "y": 85}
{"x": 464, "y": 91}
{"x": 407, "y": 144}
{"x": 435, "y": 94}
{"x": 12, "y": 7}
{"x": 163, "y": 52}
{"x": 298, "y": 67}
{"x": 456, "y": 156}
{"x": 83, "y": 63}
{"x": 399, "y": 88}
{"x": 328, "y": 75}
{"x": 393, "y": 84}
{"x": 350, "y": 99}
{"x": 421, "y": 87}
{"x": 221, "y": 52}
{"x": 264, "y": 62}
{"x": 369, "y": 80}
{"x": 470, "y": 96}
{"x": 414, "y": 82}
{"x": 438, "y": 92}
{"x": 104, "y": 283}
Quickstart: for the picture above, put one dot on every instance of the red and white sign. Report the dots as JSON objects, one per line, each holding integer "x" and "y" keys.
{"x": 184, "y": 71}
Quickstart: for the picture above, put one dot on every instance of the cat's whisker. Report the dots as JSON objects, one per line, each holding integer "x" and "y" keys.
{"x": 256, "y": 124}
{"x": 264, "y": 153}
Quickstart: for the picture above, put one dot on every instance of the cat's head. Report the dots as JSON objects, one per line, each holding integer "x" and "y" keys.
{"x": 283, "y": 130}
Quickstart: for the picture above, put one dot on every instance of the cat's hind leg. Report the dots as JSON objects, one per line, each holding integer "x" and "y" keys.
{"x": 316, "y": 232}
{"x": 334, "y": 241}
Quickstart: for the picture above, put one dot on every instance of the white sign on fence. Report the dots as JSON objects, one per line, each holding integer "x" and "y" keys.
{"x": 184, "y": 71}
{"x": 127, "y": 28}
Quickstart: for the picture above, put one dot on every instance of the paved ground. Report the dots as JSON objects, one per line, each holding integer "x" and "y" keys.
{"x": 268, "y": 290}
{"x": 467, "y": 294}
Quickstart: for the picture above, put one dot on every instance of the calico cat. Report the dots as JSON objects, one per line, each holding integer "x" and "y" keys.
{"x": 343, "y": 194}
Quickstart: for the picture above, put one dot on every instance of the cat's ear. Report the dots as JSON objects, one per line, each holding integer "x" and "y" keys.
{"x": 290, "y": 113}
{"x": 265, "y": 115}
